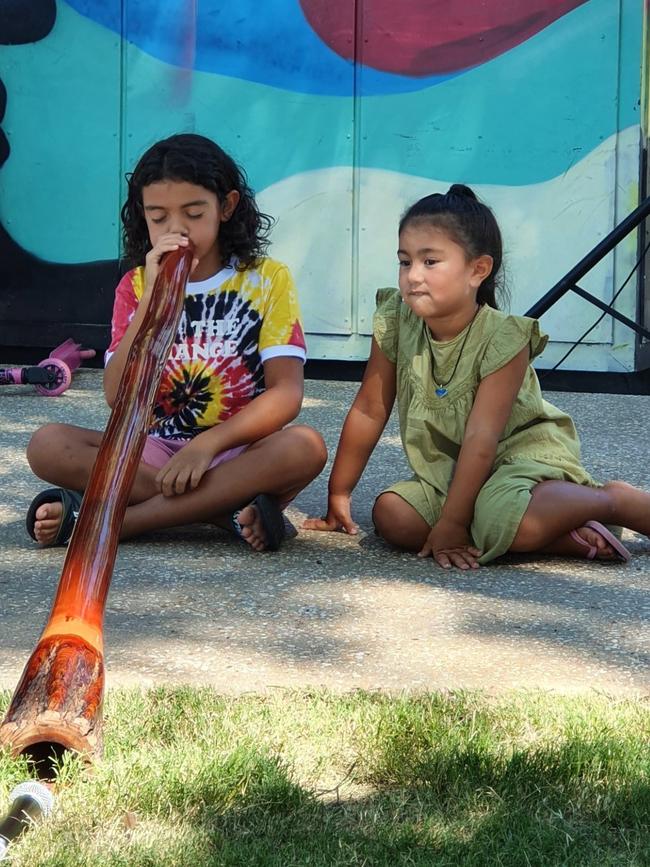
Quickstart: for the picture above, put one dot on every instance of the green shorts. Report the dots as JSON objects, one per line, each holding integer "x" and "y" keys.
{"x": 500, "y": 505}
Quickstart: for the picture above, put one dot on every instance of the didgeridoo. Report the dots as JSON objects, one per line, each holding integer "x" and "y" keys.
{"x": 57, "y": 704}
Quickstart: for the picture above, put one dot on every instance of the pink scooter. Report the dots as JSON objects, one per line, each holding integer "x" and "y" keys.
{"x": 52, "y": 376}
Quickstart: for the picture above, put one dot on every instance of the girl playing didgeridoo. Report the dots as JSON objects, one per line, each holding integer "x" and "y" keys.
{"x": 495, "y": 467}
{"x": 219, "y": 449}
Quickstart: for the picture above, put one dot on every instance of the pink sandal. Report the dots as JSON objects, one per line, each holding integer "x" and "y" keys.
{"x": 611, "y": 540}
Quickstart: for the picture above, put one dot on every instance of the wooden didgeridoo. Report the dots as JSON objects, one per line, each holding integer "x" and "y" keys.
{"x": 57, "y": 704}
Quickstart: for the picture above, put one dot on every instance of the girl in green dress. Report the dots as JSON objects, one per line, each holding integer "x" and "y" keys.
{"x": 496, "y": 468}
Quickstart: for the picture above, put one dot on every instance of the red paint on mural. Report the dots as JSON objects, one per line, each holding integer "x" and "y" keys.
{"x": 430, "y": 37}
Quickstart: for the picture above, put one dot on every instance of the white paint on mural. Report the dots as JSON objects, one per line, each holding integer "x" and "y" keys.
{"x": 313, "y": 236}
{"x": 547, "y": 229}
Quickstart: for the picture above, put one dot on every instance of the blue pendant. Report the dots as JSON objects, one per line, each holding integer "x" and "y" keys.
{"x": 441, "y": 392}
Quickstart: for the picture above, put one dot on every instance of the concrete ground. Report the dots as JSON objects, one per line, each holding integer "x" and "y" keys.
{"x": 196, "y": 606}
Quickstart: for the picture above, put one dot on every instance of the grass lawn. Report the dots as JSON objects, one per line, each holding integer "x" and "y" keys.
{"x": 189, "y": 777}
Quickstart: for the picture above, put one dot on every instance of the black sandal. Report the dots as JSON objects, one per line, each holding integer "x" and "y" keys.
{"x": 272, "y": 519}
{"x": 71, "y": 502}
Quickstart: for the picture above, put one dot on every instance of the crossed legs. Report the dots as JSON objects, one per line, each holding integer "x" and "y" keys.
{"x": 281, "y": 464}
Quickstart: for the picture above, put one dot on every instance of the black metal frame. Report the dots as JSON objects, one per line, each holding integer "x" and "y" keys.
{"x": 569, "y": 282}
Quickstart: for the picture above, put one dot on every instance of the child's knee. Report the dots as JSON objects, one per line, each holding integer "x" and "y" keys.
{"x": 388, "y": 517}
{"x": 530, "y": 535}
{"x": 52, "y": 445}
{"x": 40, "y": 446}
{"x": 310, "y": 446}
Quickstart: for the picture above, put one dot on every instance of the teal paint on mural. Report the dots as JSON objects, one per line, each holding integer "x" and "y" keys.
{"x": 522, "y": 118}
{"x": 58, "y": 190}
{"x": 631, "y": 68}
{"x": 268, "y": 42}
{"x": 273, "y": 133}
{"x": 72, "y": 173}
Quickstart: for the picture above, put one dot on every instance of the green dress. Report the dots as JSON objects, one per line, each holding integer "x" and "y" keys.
{"x": 539, "y": 441}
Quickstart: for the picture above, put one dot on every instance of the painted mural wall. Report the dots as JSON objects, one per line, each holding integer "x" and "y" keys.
{"x": 342, "y": 113}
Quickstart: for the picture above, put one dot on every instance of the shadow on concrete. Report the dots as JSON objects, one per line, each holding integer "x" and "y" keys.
{"x": 196, "y": 604}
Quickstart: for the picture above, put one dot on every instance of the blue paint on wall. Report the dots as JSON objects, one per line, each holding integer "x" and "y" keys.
{"x": 516, "y": 120}
{"x": 265, "y": 41}
{"x": 519, "y": 119}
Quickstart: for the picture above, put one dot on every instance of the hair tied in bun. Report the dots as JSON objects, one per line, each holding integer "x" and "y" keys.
{"x": 461, "y": 190}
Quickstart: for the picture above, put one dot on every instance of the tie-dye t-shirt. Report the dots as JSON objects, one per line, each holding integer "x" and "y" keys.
{"x": 230, "y": 325}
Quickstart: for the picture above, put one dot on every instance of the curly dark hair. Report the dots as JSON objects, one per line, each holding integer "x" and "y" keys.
{"x": 469, "y": 223}
{"x": 196, "y": 160}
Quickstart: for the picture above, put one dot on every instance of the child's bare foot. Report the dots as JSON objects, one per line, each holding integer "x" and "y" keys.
{"x": 262, "y": 523}
{"x": 52, "y": 516}
{"x": 252, "y": 528}
{"x": 595, "y": 540}
{"x": 47, "y": 523}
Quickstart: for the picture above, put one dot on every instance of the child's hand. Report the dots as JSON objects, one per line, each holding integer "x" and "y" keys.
{"x": 339, "y": 516}
{"x": 451, "y": 545}
{"x": 165, "y": 244}
{"x": 185, "y": 470}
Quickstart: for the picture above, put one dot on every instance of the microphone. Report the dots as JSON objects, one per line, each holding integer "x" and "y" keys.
{"x": 29, "y": 801}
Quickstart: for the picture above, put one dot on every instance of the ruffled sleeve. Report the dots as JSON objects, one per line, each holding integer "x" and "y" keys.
{"x": 385, "y": 323}
{"x": 513, "y": 334}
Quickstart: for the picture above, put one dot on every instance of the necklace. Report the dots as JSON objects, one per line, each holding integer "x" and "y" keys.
{"x": 441, "y": 387}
